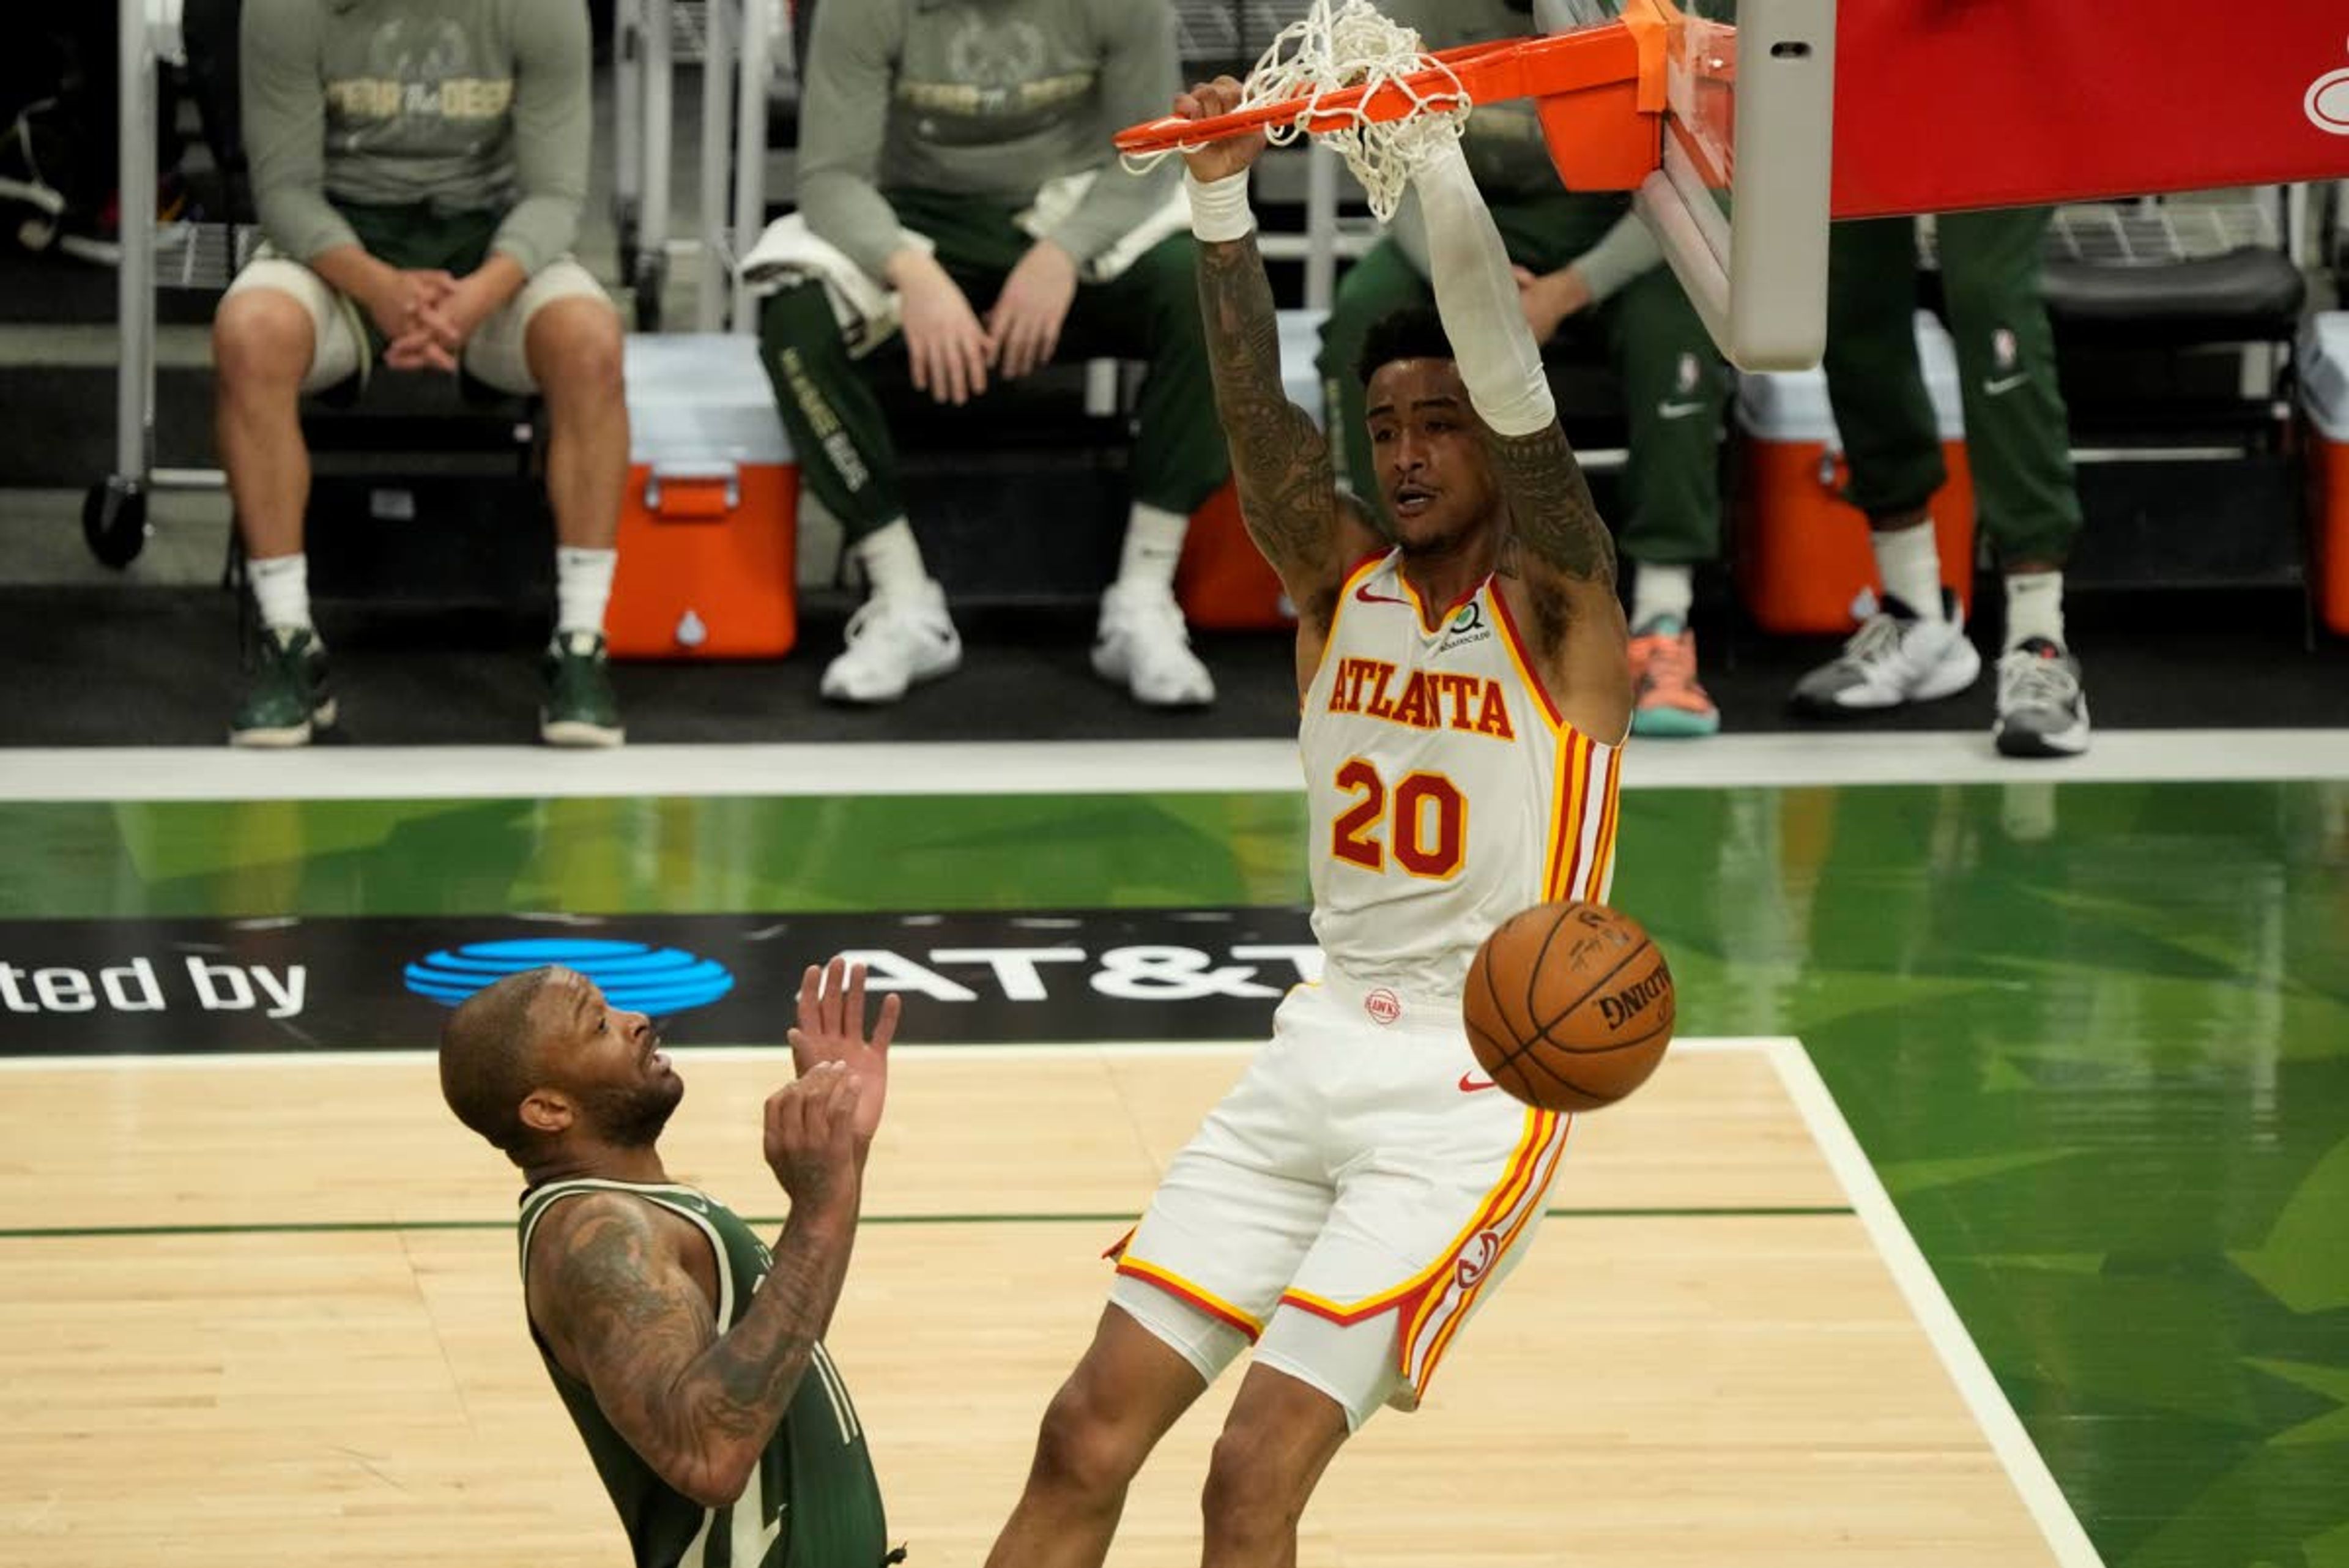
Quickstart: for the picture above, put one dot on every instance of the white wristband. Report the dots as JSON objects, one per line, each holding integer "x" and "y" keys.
{"x": 1219, "y": 207}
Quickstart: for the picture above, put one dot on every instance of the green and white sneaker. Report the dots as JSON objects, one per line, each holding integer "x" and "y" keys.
{"x": 286, "y": 700}
{"x": 579, "y": 710}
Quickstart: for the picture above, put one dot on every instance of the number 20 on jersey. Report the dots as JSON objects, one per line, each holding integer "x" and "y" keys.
{"x": 1421, "y": 822}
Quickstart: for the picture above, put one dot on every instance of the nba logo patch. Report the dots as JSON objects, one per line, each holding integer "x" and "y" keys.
{"x": 2001, "y": 348}
{"x": 1684, "y": 381}
{"x": 1383, "y": 1006}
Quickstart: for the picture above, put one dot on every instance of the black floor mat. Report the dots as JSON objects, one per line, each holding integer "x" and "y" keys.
{"x": 158, "y": 667}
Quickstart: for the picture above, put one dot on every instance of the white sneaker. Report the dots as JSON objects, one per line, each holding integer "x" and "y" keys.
{"x": 1144, "y": 646}
{"x": 893, "y": 643}
{"x": 1895, "y": 657}
{"x": 2042, "y": 710}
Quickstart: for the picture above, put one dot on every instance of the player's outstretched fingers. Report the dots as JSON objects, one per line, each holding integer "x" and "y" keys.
{"x": 835, "y": 1014}
{"x": 884, "y": 1027}
{"x": 838, "y": 1116}
{"x": 780, "y": 1129}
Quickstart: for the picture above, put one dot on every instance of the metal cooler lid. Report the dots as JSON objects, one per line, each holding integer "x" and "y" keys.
{"x": 1791, "y": 405}
{"x": 695, "y": 396}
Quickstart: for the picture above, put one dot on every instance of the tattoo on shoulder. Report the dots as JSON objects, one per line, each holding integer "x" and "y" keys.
{"x": 1550, "y": 505}
{"x": 603, "y": 1272}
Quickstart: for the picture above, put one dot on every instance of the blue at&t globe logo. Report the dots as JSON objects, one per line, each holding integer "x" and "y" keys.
{"x": 632, "y": 975}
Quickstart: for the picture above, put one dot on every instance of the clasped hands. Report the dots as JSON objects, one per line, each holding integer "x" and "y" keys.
{"x": 427, "y": 316}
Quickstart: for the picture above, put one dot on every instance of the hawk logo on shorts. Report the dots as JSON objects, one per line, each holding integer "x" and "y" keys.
{"x": 1383, "y": 1006}
{"x": 1478, "y": 1257}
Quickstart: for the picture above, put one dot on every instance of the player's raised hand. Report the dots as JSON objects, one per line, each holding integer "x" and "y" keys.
{"x": 832, "y": 1029}
{"x": 1217, "y": 159}
{"x": 812, "y": 1142}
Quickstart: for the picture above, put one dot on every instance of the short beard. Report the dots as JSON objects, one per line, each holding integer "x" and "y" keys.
{"x": 1436, "y": 549}
{"x": 633, "y": 1117}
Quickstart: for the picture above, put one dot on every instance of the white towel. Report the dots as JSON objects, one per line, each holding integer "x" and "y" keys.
{"x": 790, "y": 252}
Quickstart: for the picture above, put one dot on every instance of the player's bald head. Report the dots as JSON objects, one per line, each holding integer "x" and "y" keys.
{"x": 489, "y": 1055}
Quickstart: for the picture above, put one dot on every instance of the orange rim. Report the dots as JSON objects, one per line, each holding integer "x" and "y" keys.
{"x": 1629, "y": 51}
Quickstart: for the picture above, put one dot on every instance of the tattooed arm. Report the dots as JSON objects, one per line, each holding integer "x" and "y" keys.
{"x": 1281, "y": 462}
{"x": 625, "y": 1295}
{"x": 613, "y": 1293}
{"x": 1551, "y": 515}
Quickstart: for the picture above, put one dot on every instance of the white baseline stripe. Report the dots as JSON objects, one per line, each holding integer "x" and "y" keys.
{"x": 1960, "y": 1355}
{"x": 282, "y": 1061}
{"x": 1098, "y": 767}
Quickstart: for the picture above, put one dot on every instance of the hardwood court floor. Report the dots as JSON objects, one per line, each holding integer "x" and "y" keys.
{"x": 267, "y": 1312}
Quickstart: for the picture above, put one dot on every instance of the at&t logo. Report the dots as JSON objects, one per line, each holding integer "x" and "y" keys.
{"x": 659, "y": 981}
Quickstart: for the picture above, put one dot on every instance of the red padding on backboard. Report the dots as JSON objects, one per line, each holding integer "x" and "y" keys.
{"x": 1948, "y": 104}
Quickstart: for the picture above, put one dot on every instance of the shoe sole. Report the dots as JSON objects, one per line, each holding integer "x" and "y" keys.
{"x": 1673, "y": 724}
{"x": 832, "y": 693}
{"x": 1115, "y": 674}
{"x": 1170, "y": 703}
{"x": 578, "y": 733}
{"x": 1942, "y": 685}
{"x": 2069, "y": 742}
{"x": 286, "y": 738}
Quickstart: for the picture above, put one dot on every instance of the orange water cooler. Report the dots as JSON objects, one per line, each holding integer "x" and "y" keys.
{"x": 1802, "y": 555}
{"x": 709, "y": 524}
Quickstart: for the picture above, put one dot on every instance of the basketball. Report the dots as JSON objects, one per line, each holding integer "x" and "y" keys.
{"x": 1569, "y": 1006}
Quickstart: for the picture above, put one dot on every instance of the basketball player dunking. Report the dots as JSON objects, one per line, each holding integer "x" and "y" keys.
{"x": 1465, "y": 689}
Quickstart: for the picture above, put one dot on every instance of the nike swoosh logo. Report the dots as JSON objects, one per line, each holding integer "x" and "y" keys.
{"x": 1679, "y": 410}
{"x": 1368, "y": 597}
{"x": 2002, "y": 386}
{"x": 1470, "y": 1084}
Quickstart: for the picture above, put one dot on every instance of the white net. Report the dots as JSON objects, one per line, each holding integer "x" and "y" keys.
{"x": 1344, "y": 45}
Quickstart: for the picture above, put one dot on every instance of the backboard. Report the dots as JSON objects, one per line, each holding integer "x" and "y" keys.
{"x": 1739, "y": 201}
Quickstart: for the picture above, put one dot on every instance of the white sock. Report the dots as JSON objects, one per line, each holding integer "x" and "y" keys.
{"x": 1908, "y": 563}
{"x": 583, "y": 585}
{"x": 2034, "y": 608}
{"x": 1153, "y": 544}
{"x": 892, "y": 560}
{"x": 1660, "y": 593}
{"x": 281, "y": 588}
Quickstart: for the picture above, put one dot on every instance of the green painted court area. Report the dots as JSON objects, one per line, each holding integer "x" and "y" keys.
{"x": 2095, "y": 1037}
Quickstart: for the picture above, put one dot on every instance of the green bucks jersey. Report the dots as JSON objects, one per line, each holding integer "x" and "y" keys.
{"x": 813, "y": 1502}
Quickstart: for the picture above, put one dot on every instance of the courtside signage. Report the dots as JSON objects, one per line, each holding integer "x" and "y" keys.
{"x": 103, "y": 987}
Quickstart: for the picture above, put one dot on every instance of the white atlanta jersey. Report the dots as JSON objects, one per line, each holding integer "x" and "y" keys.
{"x": 1446, "y": 792}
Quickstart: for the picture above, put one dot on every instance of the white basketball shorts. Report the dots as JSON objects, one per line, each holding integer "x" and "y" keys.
{"x": 1347, "y": 1205}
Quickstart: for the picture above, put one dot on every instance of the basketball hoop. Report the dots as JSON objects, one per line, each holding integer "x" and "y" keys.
{"x": 1362, "y": 82}
{"x": 1723, "y": 133}
{"x": 1344, "y": 73}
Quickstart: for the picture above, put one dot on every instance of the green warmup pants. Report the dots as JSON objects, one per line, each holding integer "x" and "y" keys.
{"x": 1151, "y": 312}
{"x": 1673, "y": 379}
{"x": 2017, "y": 441}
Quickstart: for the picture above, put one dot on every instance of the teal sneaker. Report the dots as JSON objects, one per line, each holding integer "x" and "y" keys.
{"x": 286, "y": 700}
{"x": 1666, "y": 698}
{"x": 580, "y": 709}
